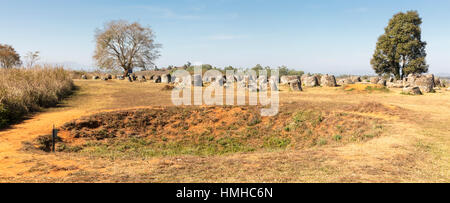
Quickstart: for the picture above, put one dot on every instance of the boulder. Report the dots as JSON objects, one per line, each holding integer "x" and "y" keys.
{"x": 425, "y": 83}
{"x": 142, "y": 78}
{"x": 374, "y": 80}
{"x": 287, "y": 78}
{"x": 157, "y": 79}
{"x": 198, "y": 82}
{"x": 310, "y": 81}
{"x": 328, "y": 81}
{"x": 295, "y": 85}
{"x": 355, "y": 79}
{"x": 241, "y": 84}
{"x": 273, "y": 85}
{"x": 437, "y": 82}
{"x": 319, "y": 79}
{"x": 263, "y": 86}
{"x": 345, "y": 81}
{"x": 166, "y": 78}
{"x": 412, "y": 90}
{"x": 398, "y": 84}
{"x": 382, "y": 82}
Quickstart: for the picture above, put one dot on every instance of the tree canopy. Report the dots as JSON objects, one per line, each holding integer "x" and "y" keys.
{"x": 125, "y": 45}
{"x": 9, "y": 58}
{"x": 400, "y": 50}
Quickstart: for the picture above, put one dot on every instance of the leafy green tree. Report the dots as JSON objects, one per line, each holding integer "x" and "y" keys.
{"x": 283, "y": 70}
{"x": 400, "y": 50}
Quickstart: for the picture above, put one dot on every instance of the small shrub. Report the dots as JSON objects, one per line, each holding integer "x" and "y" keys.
{"x": 44, "y": 142}
{"x": 3, "y": 117}
{"x": 276, "y": 142}
{"x": 322, "y": 142}
{"x": 337, "y": 138}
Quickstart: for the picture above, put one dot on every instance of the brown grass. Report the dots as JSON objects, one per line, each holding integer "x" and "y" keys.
{"x": 413, "y": 145}
{"x": 23, "y": 91}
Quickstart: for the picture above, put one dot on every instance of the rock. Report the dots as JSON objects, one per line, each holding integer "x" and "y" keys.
{"x": 319, "y": 79}
{"x": 355, "y": 79}
{"x": 217, "y": 82}
{"x": 398, "y": 84}
{"x": 262, "y": 79}
{"x": 410, "y": 80}
{"x": 374, "y": 80}
{"x": 345, "y": 81}
{"x": 141, "y": 78}
{"x": 295, "y": 85}
{"x": 241, "y": 84}
{"x": 412, "y": 90}
{"x": 84, "y": 77}
{"x": 328, "y": 81}
{"x": 310, "y": 81}
{"x": 166, "y": 78}
{"x": 95, "y": 77}
{"x": 252, "y": 88}
{"x": 273, "y": 83}
{"x": 157, "y": 79}
{"x": 425, "y": 83}
{"x": 390, "y": 84}
{"x": 437, "y": 82}
{"x": 382, "y": 82}
{"x": 287, "y": 78}
{"x": 198, "y": 82}
{"x": 263, "y": 87}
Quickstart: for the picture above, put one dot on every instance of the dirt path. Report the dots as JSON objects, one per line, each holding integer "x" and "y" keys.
{"x": 411, "y": 152}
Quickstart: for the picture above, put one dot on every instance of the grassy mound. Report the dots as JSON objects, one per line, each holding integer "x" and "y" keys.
{"x": 210, "y": 131}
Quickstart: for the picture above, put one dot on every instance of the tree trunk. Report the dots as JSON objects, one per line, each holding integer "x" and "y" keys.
{"x": 125, "y": 72}
{"x": 397, "y": 73}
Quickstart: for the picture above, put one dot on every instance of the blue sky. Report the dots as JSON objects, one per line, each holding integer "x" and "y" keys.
{"x": 328, "y": 36}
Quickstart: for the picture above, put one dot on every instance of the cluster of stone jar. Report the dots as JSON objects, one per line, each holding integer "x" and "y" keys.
{"x": 412, "y": 84}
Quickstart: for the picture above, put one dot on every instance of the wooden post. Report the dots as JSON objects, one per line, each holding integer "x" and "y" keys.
{"x": 54, "y": 135}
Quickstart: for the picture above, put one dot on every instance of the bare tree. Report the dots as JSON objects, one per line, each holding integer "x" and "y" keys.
{"x": 32, "y": 58}
{"x": 124, "y": 45}
{"x": 9, "y": 58}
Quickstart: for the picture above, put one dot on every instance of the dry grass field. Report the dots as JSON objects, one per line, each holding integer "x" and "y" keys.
{"x": 342, "y": 134}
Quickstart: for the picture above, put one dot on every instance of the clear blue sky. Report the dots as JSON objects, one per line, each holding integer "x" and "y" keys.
{"x": 335, "y": 36}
